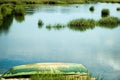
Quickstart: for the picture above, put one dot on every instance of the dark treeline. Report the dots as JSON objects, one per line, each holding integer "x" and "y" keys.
{"x": 55, "y": 1}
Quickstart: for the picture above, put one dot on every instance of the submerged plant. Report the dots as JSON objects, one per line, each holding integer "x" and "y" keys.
{"x": 48, "y": 27}
{"x": 91, "y": 8}
{"x": 40, "y": 23}
{"x": 109, "y": 22}
{"x": 58, "y": 26}
{"x": 105, "y": 12}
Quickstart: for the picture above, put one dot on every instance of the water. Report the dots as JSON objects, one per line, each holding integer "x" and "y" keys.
{"x": 22, "y": 41}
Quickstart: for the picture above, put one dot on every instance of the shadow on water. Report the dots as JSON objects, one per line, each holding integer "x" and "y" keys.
{"x": 5, "y": 25}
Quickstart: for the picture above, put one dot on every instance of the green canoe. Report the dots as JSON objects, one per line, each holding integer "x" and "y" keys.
{"x": 46, "y": 68}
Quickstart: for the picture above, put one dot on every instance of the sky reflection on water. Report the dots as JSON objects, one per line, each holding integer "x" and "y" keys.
{"x": 98, "y": 48}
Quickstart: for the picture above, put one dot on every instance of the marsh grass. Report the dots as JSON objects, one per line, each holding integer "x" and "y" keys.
{"x": 57, "y": 26}
{"x": 48, "y": 27}
{"x": 1, "y": 17}
{"x": 19, "y": 10}
{"x": 40, "y": 23}
{"x": 91, "y": 8}
{"x": 81, "y": 24}
{"x": 109, "y": 22}
{"x": 105, "y": 12}
{"x": 6, "y": 9}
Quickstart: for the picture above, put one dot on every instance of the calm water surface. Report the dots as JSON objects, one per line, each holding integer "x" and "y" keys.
{"x": 22, "y": 41}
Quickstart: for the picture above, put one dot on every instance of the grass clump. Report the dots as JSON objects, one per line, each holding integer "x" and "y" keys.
{"x": 55, "y": 26}
{"x": 48, "y": 27}
{"x": 19, "y": 10}
{"x": 81, "y": 24}
{"x": 6, "y": 9}
{"x": 40, "y": 23}
{"x": 58, "y": 26}
{"x": 118, "y": 9}
{"x": 105, "y": 12}
{"x": 109, "y": 22}
{"x": 91, "y": 8}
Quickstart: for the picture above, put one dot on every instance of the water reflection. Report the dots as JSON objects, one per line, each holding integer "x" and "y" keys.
{"x": 30, "y": 10}
{"x": 55, "y": 26}
{"x": 110, "y": 26}
{"x": 5, "y": 25}
{"x": 84, "y": 28}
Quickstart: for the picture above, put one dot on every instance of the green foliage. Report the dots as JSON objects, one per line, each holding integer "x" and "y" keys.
{"x": 81, "y": 24}
{"x": 1, "y": 17}
{"x": 6, "y": 23}
{"x": 58, "y": 26}
{"x": 109, "y": 22}
{"x": 91, "y": 8}
{"x": 6, "y": 9}
{"x": 55, "y": 26}
{"x": 105, "y": 12}
{"x": 40, "y": 23}
{"x": 19, "y": 10}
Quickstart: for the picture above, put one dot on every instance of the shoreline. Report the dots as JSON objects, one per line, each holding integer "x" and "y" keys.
{"x": 53, "y": 2}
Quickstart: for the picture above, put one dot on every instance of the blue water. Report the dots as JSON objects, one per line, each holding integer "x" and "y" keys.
{"x": 22, "y": 41}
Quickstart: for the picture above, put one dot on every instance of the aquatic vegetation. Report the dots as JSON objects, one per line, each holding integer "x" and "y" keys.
{"x": 54, "y": 1}
{"x": 40, "y": 23}
{"x": 55, "y": 26}
{"x": 105, "y": 12}
{"x": 6, "y": 9}
{"x": 118, "y": 9}
{"x": 81, "y": 24}
{"x": 19, "y": 10}
{"x": 91, "y": 8}
{"x": 50, "y": 2}
{"x": 19, "y": 18}
{"x": 1, "y": 17}
{"x": 58, "y": 26}
{"x": 29, "y": 2}
{"x": 109, "y": 22}
{"x": 48, "y": 26}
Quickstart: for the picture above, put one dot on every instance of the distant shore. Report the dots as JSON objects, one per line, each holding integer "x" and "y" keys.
{"x": 56, "y": 1}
